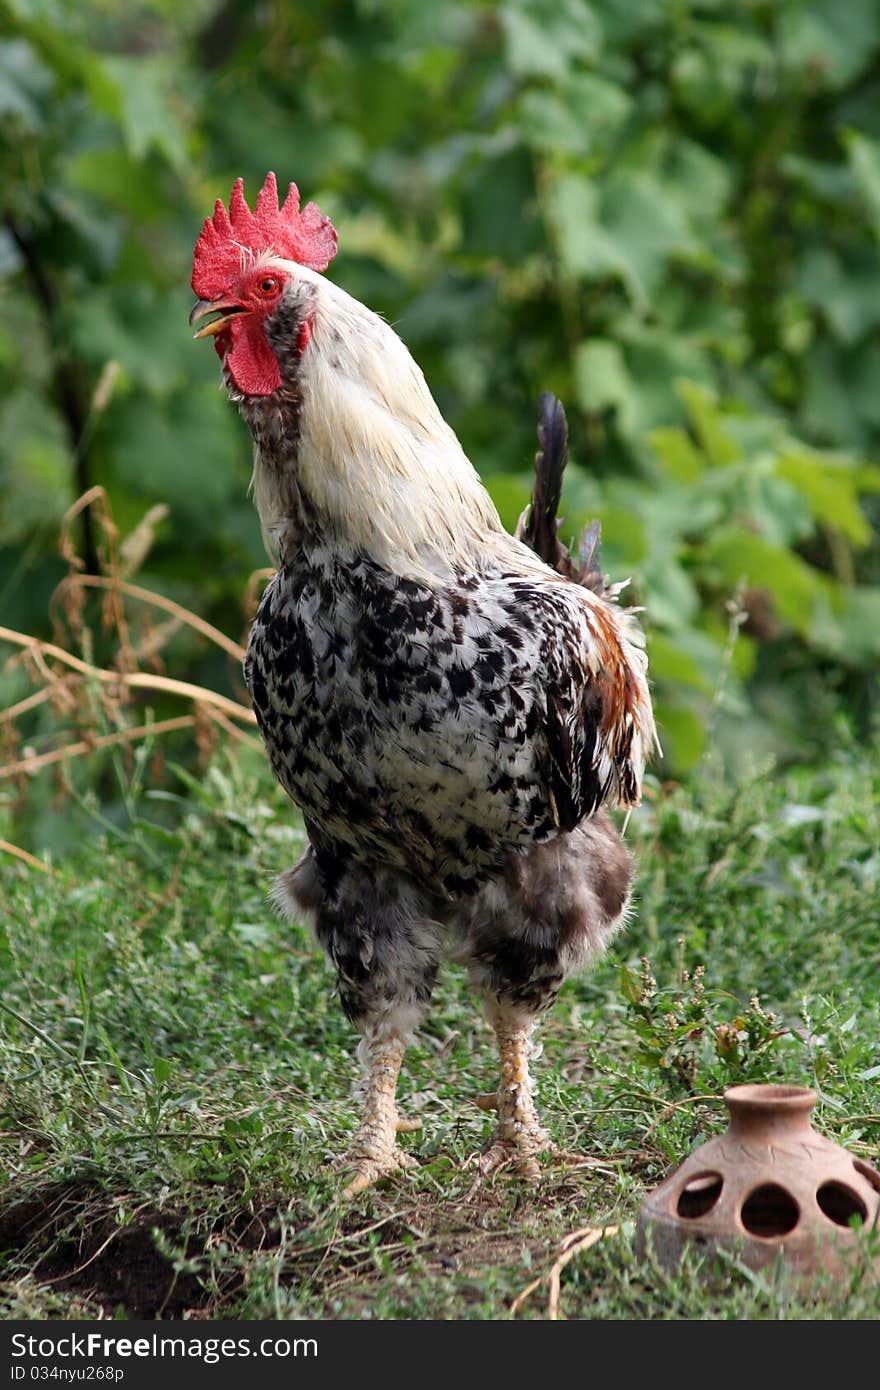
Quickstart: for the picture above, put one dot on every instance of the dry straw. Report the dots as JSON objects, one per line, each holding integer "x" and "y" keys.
{"x": 104, "y": 705}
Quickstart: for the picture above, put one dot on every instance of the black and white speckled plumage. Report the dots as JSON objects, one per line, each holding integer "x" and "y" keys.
{"x": 429, "y": 729}
{"x": 449, "y": 714}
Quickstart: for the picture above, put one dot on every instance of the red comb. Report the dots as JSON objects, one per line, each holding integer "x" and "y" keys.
{"x": 307, "y": 237}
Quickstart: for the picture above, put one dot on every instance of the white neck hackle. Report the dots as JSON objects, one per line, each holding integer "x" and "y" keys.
{"x": 375, "y": 459}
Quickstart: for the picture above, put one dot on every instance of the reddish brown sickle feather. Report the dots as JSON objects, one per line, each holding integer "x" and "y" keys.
{"x": 305, "y": 236}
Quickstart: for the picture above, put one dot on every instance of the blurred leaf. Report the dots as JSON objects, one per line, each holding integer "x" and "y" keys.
{"x": 738, "y": 555}
{"x": 670, "y": 662}
{"x": 578, "y": 116}
{"x": 701, "y": 405}
{"x": 831, "y": 489}
{"x": 585, "y": 248}
{"x": 848, "y": 295}
{"x": 831, "y": 41}
{"x": 864, "y": 158}
{"x": 647, "y": 225}
{"x": 833, "y": 183}
{"x": 544, "y": 36}
{"x": 851, "y": 631}
{"x": 602, "y": 381}
{"x": 138, "y": 328}
{"x": 677, "y": 454}
{"x": 120, "y": 182}
{"x": 682, "y": 734}
{"x": 25, "y": 84}
{"x": 35, "y": 464}
{"x": 498, "y": 207}
{"x": 656, "y": 362}
{"x": 673, "y": 597}
{"x": 183, "y": 454}
{"x": 630, "y": 986}
{"x": 137, "y": 92}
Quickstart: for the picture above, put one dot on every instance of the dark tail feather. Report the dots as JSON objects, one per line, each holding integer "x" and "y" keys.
{"x": 539, "y": 524}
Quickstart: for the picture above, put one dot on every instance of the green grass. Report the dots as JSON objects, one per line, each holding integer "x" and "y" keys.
{"x": 178, "y": 1075}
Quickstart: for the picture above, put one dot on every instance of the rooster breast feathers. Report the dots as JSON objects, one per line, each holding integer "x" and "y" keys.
{"x": 437, "y": 726}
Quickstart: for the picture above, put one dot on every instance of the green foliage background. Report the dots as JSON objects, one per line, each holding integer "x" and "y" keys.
{"x": 667, "y": 212}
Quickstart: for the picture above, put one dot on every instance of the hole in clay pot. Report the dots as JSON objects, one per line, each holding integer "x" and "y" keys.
{"x": 769, "y": 1211}
{"x": 700, "y": 1195}
{"x": 839, "y": 1203}
{"x": 868, "y": 1173}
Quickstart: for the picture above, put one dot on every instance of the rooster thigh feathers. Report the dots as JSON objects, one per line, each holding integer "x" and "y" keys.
{"x": 521, "y": 933}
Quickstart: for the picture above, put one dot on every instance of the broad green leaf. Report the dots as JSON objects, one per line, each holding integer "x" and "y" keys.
{"x": 602, "y": 381}
{"x": 867, "y": 476}
{"x": 827, "y": 40}
{"x": 850, "y": 631}
{"x": 25, "y": 84}
{"x": 826, "y": 405}
{"x": 720, "y": 62}
{"x": 668, "y": 661}
{"x": 829, "y": 182}
{"x": 585, "y": 247}
{"x": 630, "y": 986}
{"x": 578, "y": 116}
{"x": 671, "y": 596}
{"x": 864, "y": 159}
{"x": 548, "y": 123}
{"x": 677, "y": 453}
{"x": 739, "y": 556}
{"x": 183, "y": 454}
{"x": 656, "y": 361}
{"x": 141, "y": 330}
{"x": 847, "y": 294}
{"x": 544, "y": 36}
{"x": 702, "y": 408}
{"x": 647, "y": 225}
{"x": 138, "y": 94}
{"x": 861, "y": 368}
{"x": 700, "y": 181}
{"x": 121, "y": 183}
{"x": 831, "y": 489}
{"x": 682, "y": 734}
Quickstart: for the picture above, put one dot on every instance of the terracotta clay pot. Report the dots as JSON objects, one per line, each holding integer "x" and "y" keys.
{"x": 769, "y": 1184}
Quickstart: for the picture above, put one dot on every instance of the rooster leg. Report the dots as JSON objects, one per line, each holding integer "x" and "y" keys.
{"x": 519, "y": 1136}
{"x": 374, "y": 1151}
{"x": 382, "y": 934}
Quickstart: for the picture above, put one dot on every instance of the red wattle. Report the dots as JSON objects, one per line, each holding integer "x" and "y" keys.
{"x": 250, "y": 361}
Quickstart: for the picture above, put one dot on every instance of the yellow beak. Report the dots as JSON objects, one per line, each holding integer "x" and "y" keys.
{"x": 223, "y": 309}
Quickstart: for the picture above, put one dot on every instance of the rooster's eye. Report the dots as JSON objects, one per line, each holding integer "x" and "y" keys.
{"x": 269, "y": 285}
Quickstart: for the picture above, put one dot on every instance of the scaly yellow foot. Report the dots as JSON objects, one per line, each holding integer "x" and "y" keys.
{"x": 519, "y": 1136}
{"x": 367, "y": 1171}
{"x": 374, "y": 1151}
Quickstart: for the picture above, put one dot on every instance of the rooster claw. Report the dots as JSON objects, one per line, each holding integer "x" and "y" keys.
{"x": 367, "y": 1171}
{"x": 502, "y": 1155}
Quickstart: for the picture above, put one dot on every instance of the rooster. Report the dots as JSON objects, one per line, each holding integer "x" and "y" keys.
{"x": 450, "y": 713}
